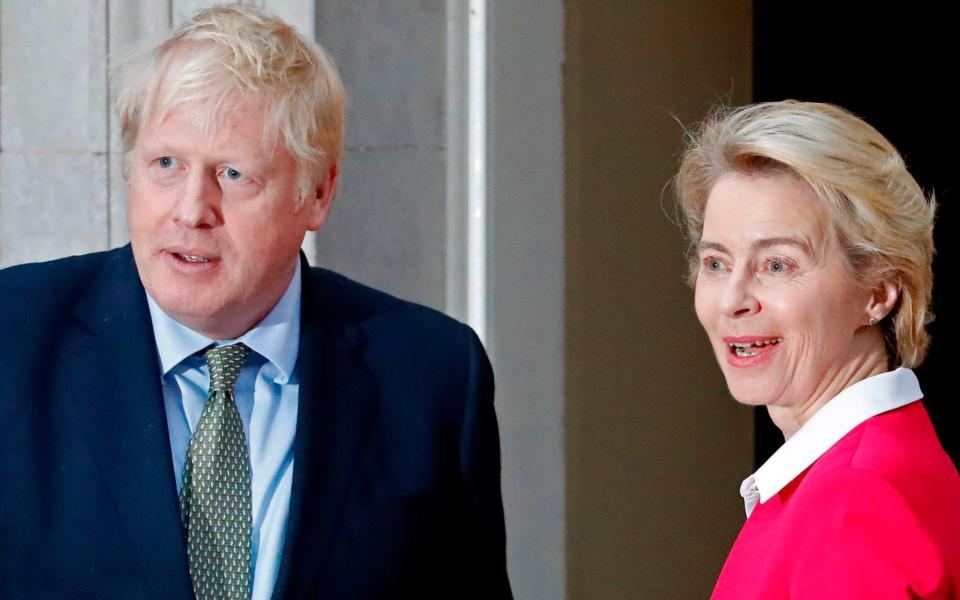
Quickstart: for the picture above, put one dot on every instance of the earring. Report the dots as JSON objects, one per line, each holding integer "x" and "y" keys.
{"x": 872, "y": 321}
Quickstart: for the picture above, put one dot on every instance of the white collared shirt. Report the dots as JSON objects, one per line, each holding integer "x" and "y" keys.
{"x": 838, "y": 417}
{"x": 266, "y": 393}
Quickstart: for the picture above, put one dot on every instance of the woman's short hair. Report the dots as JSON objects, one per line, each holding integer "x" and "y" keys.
{"x": 224, "y": 53}
{"x": 879, "y": 213}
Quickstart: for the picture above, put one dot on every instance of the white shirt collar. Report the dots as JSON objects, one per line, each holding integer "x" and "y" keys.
{"x": 837, "y": 418}
{"x": 276, "y": 337}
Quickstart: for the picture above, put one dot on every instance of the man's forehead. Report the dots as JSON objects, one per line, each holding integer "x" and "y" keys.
{"x": 214, "y": 101}
{"x": 228, "y": 118}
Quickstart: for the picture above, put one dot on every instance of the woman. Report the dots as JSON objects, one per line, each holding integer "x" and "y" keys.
{"x": 811, "y": 261}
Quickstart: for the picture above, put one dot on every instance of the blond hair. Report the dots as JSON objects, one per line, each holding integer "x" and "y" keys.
{"x": 878, "y": 212}
{"x": 225, "y": 53}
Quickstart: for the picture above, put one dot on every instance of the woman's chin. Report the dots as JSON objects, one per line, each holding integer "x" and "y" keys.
{"x": 750, "y": 397}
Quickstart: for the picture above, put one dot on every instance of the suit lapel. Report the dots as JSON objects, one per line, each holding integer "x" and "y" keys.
{"x": 113, "y": 367}
{"x": 336, "y": 409}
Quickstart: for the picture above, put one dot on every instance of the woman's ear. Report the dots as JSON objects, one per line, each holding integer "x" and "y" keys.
{"x": 882, "y": 301}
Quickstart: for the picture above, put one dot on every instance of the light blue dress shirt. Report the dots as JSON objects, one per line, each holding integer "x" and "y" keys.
{"x": 266, "y": 394}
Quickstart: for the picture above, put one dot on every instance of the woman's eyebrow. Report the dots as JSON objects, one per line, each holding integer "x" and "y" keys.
{"x": 800, "y": 243}
{"x": 762, "y": 243}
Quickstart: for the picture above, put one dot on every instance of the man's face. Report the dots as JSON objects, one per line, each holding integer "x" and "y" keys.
{"x": 213, "y": 219}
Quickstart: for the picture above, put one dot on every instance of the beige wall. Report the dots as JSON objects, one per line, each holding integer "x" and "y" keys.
{"x": 655, "y": 447}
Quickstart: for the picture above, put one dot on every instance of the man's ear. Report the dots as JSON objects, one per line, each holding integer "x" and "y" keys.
{"x": 319, "y": 204}
{"x": 883, "y": 300}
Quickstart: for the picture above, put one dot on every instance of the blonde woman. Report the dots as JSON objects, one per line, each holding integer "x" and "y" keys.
{"x": 811, "y": 250}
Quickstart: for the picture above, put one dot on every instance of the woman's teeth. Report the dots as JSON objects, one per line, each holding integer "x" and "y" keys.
{"x": 744, "y": 349}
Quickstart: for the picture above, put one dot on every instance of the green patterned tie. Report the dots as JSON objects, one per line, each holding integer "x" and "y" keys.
{"x": 215, "y": 496}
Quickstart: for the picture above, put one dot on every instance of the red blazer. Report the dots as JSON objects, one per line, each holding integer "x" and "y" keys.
{"x": 877, "y": 516}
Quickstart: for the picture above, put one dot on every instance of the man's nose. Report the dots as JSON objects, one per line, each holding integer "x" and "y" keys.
{"x": 199, "y": 203}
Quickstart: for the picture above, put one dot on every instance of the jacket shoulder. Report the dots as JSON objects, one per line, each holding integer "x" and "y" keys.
{"x": 377, "y": 311}
{"x": 49, "y": 276}
{"x": 398, "y": 334}
{"x": 51, "y": 288}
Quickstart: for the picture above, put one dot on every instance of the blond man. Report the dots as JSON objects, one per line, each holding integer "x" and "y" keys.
{"x": 201, "y": 413}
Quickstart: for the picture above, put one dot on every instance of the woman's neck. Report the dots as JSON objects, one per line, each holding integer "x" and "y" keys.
{"x": 867, "y": 362}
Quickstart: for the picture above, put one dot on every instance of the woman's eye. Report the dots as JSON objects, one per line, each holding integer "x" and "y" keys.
{"x": 776, "y": 265}
{"x": 712, "y": 264}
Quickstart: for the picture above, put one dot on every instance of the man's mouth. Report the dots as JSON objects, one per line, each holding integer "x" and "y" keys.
{"x": 191, "y": 258}
{"x": 752, "y": 348}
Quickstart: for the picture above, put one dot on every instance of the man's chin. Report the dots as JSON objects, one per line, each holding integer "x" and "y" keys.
{"x": 192, "y": 309}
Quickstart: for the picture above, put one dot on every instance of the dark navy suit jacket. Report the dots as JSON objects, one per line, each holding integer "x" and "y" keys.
{"x": 396, "y": 489}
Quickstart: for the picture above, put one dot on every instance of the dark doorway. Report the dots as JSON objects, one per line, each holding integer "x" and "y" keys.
{"x": 892, "y": 66}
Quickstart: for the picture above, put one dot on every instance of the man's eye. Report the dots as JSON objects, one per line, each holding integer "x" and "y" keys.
{"x": 233, "y": 174}
{"x": 168, "y": 162}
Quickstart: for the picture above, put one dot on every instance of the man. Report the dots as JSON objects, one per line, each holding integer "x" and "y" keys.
{"x": 201, "y": 413}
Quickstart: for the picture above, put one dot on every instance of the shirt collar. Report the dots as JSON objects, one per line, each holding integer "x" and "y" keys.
{"x": 276, "y": 337}
{"x": 838, "y": 417}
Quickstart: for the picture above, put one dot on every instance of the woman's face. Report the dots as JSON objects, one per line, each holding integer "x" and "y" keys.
{"x": 772, "y": 293}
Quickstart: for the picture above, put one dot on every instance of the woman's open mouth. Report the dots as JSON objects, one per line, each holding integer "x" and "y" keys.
{"x": 744, "y": 349}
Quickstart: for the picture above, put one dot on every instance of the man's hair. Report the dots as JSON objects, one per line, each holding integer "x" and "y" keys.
{"x": 877, "y": 211}
{"x": 226, "y": 53}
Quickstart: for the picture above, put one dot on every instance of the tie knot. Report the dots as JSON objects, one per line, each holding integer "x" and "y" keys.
{"x": 225, "y": 363}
